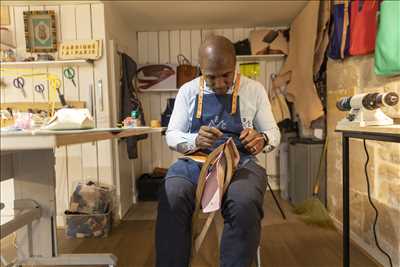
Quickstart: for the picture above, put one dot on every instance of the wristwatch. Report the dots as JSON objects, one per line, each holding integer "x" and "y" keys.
{"x": 265, "y": 136}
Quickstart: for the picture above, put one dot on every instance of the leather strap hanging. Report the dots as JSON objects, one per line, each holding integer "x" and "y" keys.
{"x": 345, "y": 27}
{"x": 230, "y": 157}
{"x": 235, "y": 93}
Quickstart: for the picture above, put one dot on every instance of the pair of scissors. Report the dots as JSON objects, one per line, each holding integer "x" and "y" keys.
{"x": 57, "y": 84}
{"x": 39, "y": 88}
{"x": 19, "y": 83}
{"x": 69, "y": 73}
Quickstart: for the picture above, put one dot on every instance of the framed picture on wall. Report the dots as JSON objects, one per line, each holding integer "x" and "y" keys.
{"x": 40, "y": 31}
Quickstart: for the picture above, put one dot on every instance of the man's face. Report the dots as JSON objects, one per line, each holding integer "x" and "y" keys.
{"x": 219, "y": 75}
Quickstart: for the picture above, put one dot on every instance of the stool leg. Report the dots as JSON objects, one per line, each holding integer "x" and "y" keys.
{"x": 276, "y": 200}
{"x": 258, "y": 257}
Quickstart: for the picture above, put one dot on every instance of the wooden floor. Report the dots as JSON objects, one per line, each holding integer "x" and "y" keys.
{"x": 289, "y": 243}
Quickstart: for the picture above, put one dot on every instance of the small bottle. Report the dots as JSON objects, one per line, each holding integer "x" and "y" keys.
{"x": 135, "y": 118}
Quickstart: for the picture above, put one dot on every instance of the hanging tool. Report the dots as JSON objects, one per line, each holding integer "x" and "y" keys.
{"x": 69, "y": 73}
{"x": 57, "y": 84}
{"x": 61, "y": 97}
{"x": 19, "y": 83}
{"x": 39, "y": 88}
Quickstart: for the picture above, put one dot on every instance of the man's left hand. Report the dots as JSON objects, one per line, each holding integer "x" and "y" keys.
{"x": 252, "y": 140}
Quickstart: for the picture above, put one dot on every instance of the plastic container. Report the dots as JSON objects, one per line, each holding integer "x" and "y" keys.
{"x": 88, "y": 225}
{"x": 92, "y": 198}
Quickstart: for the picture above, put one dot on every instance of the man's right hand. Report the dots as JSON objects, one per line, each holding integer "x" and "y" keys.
{"x": 207, "y": 136}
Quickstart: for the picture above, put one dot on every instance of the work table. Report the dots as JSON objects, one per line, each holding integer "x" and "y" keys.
{"x": 28, "y": 157}
{"x": 44, "y": 139}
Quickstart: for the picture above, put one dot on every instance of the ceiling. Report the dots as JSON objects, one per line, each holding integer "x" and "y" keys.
{"x": 167, "y": 15}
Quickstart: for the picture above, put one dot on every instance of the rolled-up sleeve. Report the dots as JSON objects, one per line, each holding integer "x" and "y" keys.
{"x": 177, "y": 135}
{"x": 264, "y": 120}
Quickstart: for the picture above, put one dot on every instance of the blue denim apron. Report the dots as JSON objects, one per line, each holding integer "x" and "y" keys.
{"x": 215, "y": 112}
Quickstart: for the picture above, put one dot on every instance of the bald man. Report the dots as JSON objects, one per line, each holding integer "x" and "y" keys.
{"x": 232, "y": 106}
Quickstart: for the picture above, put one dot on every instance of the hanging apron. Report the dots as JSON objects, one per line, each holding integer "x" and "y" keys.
{"x": 219, "y": 111}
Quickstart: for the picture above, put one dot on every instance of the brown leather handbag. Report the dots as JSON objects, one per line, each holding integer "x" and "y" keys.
{"x": 185, "y": 71}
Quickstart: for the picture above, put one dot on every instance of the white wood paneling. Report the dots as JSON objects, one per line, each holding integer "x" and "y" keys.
{"x": 163, "y": 45}
{"x": 238, "y": 34}
{"x": 19, "y": 31}
{"x": 174, "y": 46}
{"x": 152, "y": 52}
{"x": 195, "y": 37}
{"x": 228, "y": 33}
{"x": 71, "y": 93}
{"x": 145, "y": 145}
{"x": 153, "y": 113}
{"x": 61, "y": 159}
{"x": 104, "y": 148}
{"x": 85, "y": 84}
{"x": 185, "y": 45}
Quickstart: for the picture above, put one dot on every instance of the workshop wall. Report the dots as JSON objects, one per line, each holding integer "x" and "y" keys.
{"x": 75, "y": 21}
{"x": 352, "y": 76}
{"x": 163, "y": 47}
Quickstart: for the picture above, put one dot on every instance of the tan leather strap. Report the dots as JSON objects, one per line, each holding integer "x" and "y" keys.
{"x": 235, "y": 94}
{"x": 231, "y": 157}
{"x": 345, "y": 26}
{"x": 200, "y": 97}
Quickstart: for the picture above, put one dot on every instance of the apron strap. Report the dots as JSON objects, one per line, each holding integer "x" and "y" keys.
{"x": 200, "y": 98}
{"x": 235, "y": 94}
{"x": 201, "y": 95}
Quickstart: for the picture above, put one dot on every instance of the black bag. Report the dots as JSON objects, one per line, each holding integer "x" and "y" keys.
{"x": 242, "y": 47}
{"x": 166, "y": 115}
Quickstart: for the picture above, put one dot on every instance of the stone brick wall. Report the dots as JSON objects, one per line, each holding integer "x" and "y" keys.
{"x": 352, "y": 76}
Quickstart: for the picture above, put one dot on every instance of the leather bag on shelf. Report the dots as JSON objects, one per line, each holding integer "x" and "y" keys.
{"x": 185, "y": 71}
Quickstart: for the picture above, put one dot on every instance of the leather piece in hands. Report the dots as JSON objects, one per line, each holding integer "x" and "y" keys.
{"x": 225, "y": 158}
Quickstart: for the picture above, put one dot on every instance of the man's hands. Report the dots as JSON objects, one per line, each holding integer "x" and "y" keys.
{"x": 252, "y": 140}
{"x": 207, "y": 136}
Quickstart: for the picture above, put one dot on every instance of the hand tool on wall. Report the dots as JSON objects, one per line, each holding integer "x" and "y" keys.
{"x": 62, "y": 98}
{"x": 19, "y": 83}
{"x": 57, "y": 84}
{"x": 39, "y": 88}
{"x": 69, "y": 73}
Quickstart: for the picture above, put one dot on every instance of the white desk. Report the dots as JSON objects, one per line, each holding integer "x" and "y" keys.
{"x": 28, "y": 157}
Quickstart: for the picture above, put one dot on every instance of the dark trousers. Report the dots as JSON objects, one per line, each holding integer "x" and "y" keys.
{"x": 241, "y": 209}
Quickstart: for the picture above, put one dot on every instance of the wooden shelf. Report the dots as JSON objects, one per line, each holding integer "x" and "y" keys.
{"x": 25, "y": 106}
{"x": 158, "y": 90}
{"x": 45, "y": 63}
{"x": 259, "y": 57}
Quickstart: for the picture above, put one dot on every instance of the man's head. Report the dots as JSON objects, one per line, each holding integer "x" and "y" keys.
{"x": 217, "y": 62}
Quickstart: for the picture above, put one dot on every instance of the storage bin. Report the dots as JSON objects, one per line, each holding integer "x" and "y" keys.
{"x": 304, "y": 158}
{"x": 87, "y": 225}
{"x": 91, "y": 198}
